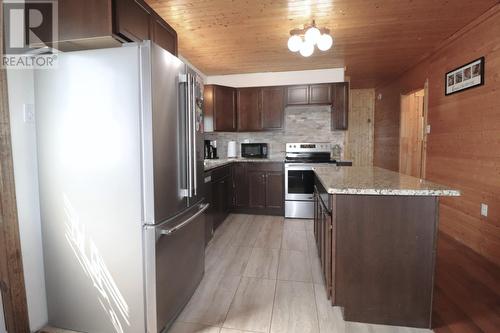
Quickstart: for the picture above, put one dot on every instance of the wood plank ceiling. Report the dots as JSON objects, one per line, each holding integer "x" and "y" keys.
{"x": 374, "y": 40}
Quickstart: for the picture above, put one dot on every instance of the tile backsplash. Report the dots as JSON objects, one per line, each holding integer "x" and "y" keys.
{"x": 302, "y": 124}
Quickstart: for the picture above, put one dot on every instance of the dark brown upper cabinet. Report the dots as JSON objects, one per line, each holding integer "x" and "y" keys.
{"x": 132, "y": 20}
{"x": 309, "y": 94}
{"x": 340, "y": 106}
{"x": 273, "y": 107}
{"x": 320, "y": 94}
{"x": 93, "y": 24}
{"x": 163, "y": 34}
{"x": 249, "y": 109}
{"x": 298, "y": 95}
{"x": 261, "y": 108}
{"x": 220, "y": 108}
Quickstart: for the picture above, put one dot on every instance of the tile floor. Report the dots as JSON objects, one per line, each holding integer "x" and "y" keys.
{"x": 263, "y": 275}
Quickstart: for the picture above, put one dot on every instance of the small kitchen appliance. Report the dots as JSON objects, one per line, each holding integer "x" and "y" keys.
{"x": 210, "y": 149}
{"x": 231, "y": 149}
{"x": 254, "y": 150}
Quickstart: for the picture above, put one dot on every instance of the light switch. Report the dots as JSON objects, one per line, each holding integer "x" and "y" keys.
{"x": 428, "y": 129}
{"x": 484, "y": 209}
{"x": 29, "y": 113}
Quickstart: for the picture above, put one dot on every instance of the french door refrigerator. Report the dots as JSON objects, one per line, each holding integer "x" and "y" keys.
{"x": 120, "y": 153}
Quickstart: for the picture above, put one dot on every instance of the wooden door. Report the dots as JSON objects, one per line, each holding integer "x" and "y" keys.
{"x": 249, "y": 110}
{"x": 359, "y": 147}
{"x": 224, "y": 109}
{"x": 340, "y": 105}
{"x": 320, "y": 94}
{"x": 240, "y": 187}
{"x": 274, "y": 190}
{"x": 272, "y": 107}
{"x": 164, "y": 35}
{"x": 257, "y": 189}
{"x": 411, "y": 134}
{"x": 298, "y": 95}
{"x": 132, "y": 20}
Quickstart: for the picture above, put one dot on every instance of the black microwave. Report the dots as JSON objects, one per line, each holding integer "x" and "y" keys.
{"x": 254, "y": 150}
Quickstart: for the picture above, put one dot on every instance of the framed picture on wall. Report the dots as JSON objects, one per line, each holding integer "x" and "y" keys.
{"x": 465, "y": 77}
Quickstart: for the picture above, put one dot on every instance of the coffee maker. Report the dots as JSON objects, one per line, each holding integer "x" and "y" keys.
{"x": 210, "y": 149}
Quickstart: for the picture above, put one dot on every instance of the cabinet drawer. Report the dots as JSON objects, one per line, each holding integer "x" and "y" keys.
{"x": 265, "y": 166}
{"x": 220, "y": 173}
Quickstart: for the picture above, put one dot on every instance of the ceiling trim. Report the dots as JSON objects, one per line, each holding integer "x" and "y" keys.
{"x": 278, "y": 78}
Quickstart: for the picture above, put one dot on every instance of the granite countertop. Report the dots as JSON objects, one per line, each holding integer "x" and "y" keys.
{"x": 377, "y": 181}
{"x": 212, "y": 164}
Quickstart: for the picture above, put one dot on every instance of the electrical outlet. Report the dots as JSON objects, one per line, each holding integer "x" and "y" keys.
{"x": 428, "y": 129}
{"x": 484, "y": 209}
{"x": 29, "y": 113}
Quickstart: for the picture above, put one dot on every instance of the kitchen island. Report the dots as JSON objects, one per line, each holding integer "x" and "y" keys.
{"x": 376, "y": 232}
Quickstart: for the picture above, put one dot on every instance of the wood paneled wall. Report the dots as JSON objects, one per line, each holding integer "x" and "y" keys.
{"x": 464, "y": 144}
{"x": 359, "y": 140}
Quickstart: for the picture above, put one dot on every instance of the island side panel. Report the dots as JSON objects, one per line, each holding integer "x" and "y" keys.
{"x": 386, "y": 248}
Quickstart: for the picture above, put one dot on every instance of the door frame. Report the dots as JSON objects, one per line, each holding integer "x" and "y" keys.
{"x": 423, "y": 158}
{"x": 11, "y": 265}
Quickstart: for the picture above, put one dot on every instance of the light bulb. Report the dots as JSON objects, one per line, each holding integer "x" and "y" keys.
{"x": 325, "y": 42}
{"x": 306, "y": 49}
{"x": 294, "y": 43}
{"x": 312, "y": 35}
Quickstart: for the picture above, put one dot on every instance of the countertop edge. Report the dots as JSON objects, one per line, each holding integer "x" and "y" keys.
{"x": 388, "y": 191}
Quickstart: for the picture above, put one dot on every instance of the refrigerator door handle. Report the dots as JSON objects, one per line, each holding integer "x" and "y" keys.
{"x": 193, "y": 133}
{"x": 178, "y": 227}
{"x": 189, "y": 136}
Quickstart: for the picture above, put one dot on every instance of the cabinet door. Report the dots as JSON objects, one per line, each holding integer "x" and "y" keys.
{"x": 224, "y": 100}
{"x": 273, "y": 107}
{"x": 164, "y": 35}
{"x": 209, "y": 217}
{"x": 257, "y": 189}
{"x": 340, "y": 105}
{"x": 334, "y": 250}
{"x": 298, "y": 95}
{"x": 132, "y": 20}
{"x": 327, "y": 271}
{"x": 274, "y": 190}
{"x": 249, "y": 111}
{"x": 83, "y": 19}
{"x": 240, "y": 187}
{"x": 320, "y": 94}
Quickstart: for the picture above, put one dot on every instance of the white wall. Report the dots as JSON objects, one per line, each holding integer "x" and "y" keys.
{"x": 278, "y": 78}
{"x": 21, "y": 91}
{"x": 2, "y": 318}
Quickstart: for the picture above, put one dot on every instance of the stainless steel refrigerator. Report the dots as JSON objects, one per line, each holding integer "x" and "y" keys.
{"x": 120, "y": 153}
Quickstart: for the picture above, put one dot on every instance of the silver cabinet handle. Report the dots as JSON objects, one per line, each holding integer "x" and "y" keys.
{"x": 178, "y": 227}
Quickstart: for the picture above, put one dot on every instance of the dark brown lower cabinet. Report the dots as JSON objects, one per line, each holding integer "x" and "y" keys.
{"x": 221, "y": 200}
{"x": 274, "y": 189}
{"x": 265, "y": 188}
{"x": 247, "y": 188}
{"x": 377, "y": 253}
{"x": 257, "y": 188}
{"x": 240, "y": 185}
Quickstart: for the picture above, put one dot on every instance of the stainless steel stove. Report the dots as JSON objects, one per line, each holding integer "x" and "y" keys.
{"x": 299, "y": 177}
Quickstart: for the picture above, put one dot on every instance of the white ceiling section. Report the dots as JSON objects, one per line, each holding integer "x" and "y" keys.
{"x": 278, "y": 78}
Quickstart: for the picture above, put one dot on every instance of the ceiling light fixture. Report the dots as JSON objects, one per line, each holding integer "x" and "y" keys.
{"x": 303, "y": 40}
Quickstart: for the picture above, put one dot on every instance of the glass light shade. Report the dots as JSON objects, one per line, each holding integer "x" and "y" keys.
{"x": 312, "y": 35}
{"x": 325, "y": 42}
{"x": 306, "y": 49}
{"x": 294, "y": 43}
